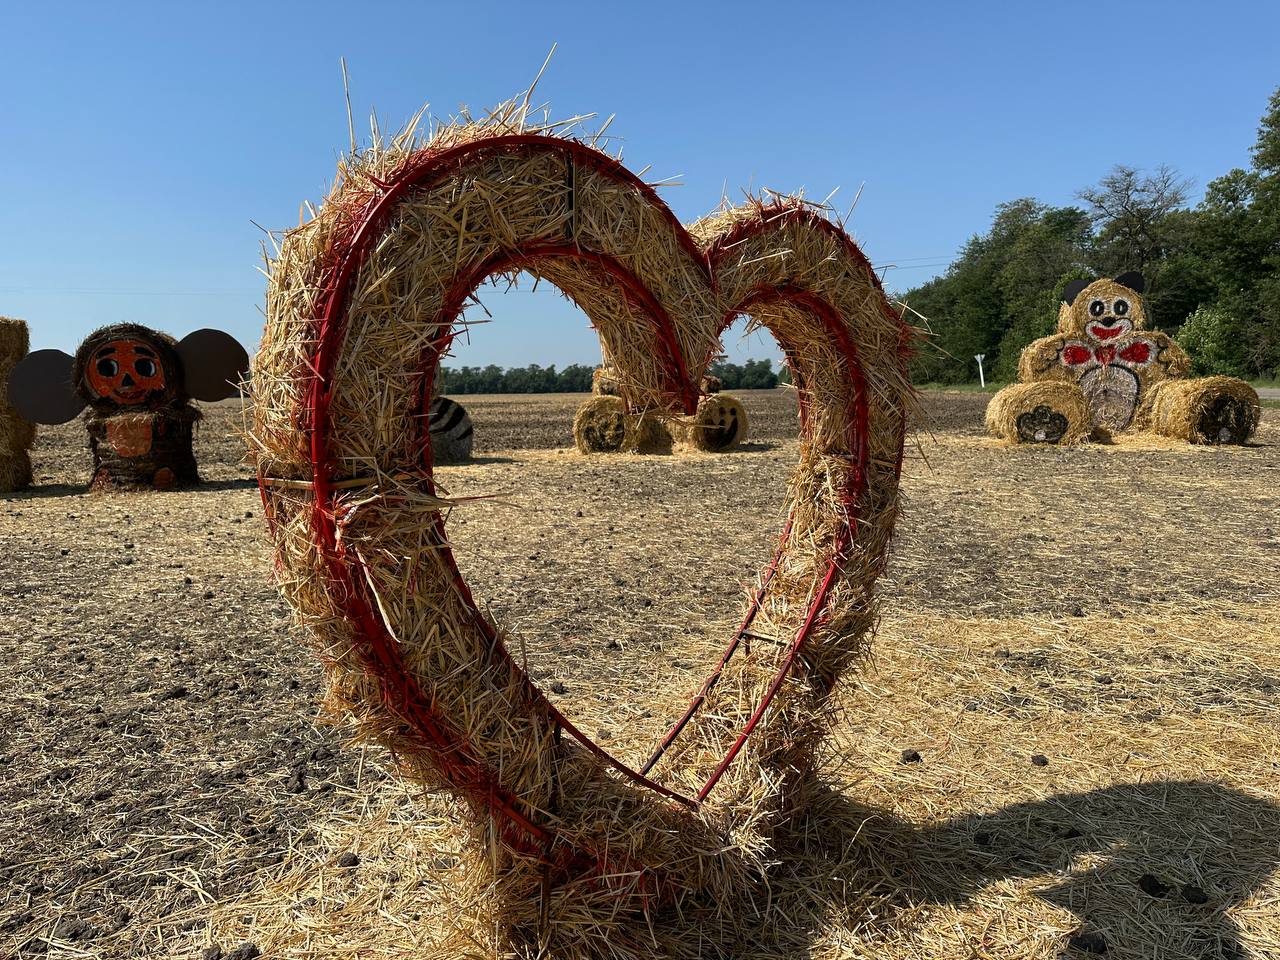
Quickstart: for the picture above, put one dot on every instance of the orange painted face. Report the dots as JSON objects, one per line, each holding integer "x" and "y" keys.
{"x": 126, "y": 372}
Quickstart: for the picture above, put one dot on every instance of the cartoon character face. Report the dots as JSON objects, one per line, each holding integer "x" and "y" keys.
{"x": 1105, "y": 310}
{"x": 1108, "y": 318}
{"x": 126, "y": 372}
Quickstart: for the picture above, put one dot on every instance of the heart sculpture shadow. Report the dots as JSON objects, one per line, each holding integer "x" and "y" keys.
{"x": 363, "y": 301}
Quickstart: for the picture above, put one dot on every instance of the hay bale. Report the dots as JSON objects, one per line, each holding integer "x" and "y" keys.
{"x": 711, "y": 384}
{"x": 605, "y": 382}
{"x": 1111, "y": 392}
{"x": 1048, "y": 412}
{"x": 15, "y": 341}
{"x": 451, "y": 431}
{"x": 15, "y": 471}
{"x": 719, "y": 425}
{"x": 1040, "y": 361}
{"x": 16, "y": 434}
{"x": 603, "y": 425}
{"x": 1209, "y": 410}
{"x": 138, "y": 450}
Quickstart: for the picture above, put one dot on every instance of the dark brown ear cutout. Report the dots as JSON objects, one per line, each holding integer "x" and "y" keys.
{"x": 1072, "y": 290}
{"x": 1133, "y": 280}
{"x": 213, "y": 364}
{"x": 41, "y": 390}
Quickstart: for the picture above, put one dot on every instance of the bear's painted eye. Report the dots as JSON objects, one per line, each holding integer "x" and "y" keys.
{"x": 1120, "y": 308}
{"x": 107, "y": 367}
{"x": 145, "y": 367}
{"x": 1097, "y": 308}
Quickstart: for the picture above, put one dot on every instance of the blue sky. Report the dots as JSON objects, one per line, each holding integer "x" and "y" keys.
{"x": 140, "y": 141}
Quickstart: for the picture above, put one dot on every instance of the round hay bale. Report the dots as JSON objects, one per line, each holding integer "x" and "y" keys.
{"x": 605, "y": 382}
{"x": 1111, "y": 392}
{"x": 15, "y": 471}
{"x": 16, "y": 434}
{"x": 1050, "y": 412}
{"x": 451, "y": 431}
{"x": 1210, "y": 410}
{"x": 719, "y": 425}
{"x": 15, "y": 341}
{"x": 603, "y": 425}
{"x": 143, "y": 450}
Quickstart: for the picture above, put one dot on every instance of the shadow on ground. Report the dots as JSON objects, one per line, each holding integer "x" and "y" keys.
{"x": 1148, "y": 869}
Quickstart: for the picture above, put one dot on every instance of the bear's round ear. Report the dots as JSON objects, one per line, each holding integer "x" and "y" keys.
{"x": 40, "y": 388}
{"x": 213, "y": 363}
{"x": 1072, "y": 290}
{"x": 1133, "y": 280}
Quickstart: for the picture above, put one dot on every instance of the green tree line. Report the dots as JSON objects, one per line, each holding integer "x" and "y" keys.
{"x": 1212, "y": 271}
{"x": 576, "y": 378}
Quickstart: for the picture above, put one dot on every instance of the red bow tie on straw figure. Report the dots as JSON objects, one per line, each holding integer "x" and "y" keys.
{"x": 1079, "y": 354}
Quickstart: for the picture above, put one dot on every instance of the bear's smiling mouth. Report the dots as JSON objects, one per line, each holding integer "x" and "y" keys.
{"x": 1108, "y": 329}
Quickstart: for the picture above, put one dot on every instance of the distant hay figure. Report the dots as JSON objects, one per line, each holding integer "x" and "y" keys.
{"x": 1046, "y": 412}
{"x": 605, "y": 382}
{"x": 603, "y": 425}
{"x": 16, "y": 434}
{"x": 712, "y": 384}
{"x": 1212, "y": 410}
{"x": 719, "y": 426}
{"x": 451, "y": 431}
{"x": 1104, "y": 350}
{"x": 137, "y": 385}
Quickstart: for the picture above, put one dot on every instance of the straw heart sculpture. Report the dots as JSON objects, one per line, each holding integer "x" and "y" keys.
{"x": 1104, "y": 373}
{"x": 574, "y": 851}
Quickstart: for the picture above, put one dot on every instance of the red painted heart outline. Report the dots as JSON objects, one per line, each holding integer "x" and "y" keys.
{"x": 680, "y": 365}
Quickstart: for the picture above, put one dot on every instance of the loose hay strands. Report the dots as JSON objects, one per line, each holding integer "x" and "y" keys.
{"x": 578, "y": 849}
{"x": 1158, "y": 739}
{"x": 603, "y": 425}
{"x": 16, "y": 434}
{"x": 1210, "y": 410}
{"x": 1045, "y": 412}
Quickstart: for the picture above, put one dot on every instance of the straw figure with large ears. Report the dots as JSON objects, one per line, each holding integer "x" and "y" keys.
{"x": 1104, "y": 373}
{"x": 138, "y": 384}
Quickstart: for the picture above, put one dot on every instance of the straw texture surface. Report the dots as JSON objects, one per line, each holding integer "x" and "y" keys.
{"x": 570, "y": 853}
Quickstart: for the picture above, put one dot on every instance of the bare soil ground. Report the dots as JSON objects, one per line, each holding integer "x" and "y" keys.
{"x": 1079, "y": 645}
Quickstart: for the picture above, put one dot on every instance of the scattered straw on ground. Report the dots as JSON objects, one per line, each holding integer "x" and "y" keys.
{"x": 1111, "y": 608}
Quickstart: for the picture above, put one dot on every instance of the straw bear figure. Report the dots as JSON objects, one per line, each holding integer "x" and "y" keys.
{"x": 137, "y": 384}
{"x": 1104, "y": 372}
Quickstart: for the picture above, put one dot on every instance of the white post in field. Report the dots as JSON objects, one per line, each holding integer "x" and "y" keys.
{"x": 982, "y": 380}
